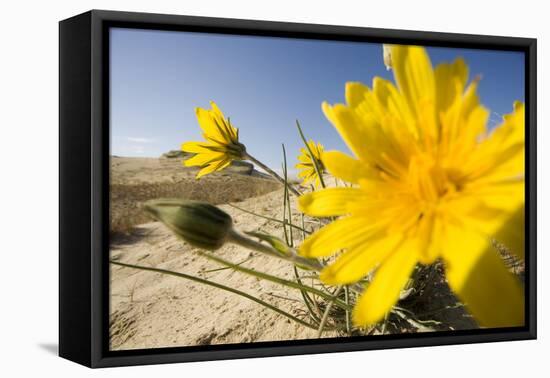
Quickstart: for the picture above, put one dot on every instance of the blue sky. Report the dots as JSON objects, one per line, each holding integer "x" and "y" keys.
{"x": 262, "y": 84}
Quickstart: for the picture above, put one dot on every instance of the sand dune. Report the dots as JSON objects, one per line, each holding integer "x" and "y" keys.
{"x": 135, "y": 180}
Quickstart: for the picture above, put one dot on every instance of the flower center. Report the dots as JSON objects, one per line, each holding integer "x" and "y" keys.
{"x": 430, "y": 182}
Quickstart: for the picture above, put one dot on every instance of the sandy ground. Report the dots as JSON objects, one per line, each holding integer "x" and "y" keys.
{"x": 154, "y": 310}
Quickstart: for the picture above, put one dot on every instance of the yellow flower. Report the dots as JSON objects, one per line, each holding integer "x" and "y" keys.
{"x": 306, "y": 166}
{"x": 221, "y": 146}
{"x": 432, "y": 182}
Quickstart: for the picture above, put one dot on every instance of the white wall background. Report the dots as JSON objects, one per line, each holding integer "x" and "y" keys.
{"x": 29, "y": 186}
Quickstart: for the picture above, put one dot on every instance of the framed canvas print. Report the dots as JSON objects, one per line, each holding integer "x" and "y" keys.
{"x": 233, "y": 188}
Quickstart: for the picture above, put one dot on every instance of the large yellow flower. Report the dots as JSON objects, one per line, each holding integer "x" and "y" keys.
{"x": 221, "y": 146}
{"x": 306, "y": 166}
{"x": 432, "y": 183}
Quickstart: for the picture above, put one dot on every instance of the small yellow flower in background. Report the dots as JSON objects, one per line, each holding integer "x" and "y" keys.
{"x": 433, "y": 183}
{"x": 221, "y": 145}
{"x": 306, "y": 166}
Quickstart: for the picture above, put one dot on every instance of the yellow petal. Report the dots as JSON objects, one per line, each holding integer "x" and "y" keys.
{"x": 466, "y": 136}
{"x": 197, "y": 147}
{"x": 503, "y": 153}
{"x": 345, "y": 167}
{"x": 337, "y": 235}
{"x": 217, "y": 111}
{"x": 504, "y": 225}
{"x": 316, "y": 149}
{"x": 203, "y": 159}
{"x": 209, "y": 126}
{"x": 453, "y": 118}
{"x": 506, "y": 195}
{"x": 355, "y": 93}
{"x": 360, "y": 259}
{"x": 349, "y": 127}
{"x": 329, "y": 202}
{"x": 512, "y": 233}
{"x": 383, "y": 292}
{"x": 513, "y": 127}
{"x": 218, "y": 166}
{"x": 429, "y": 234}
{"x": 497, "y": 211}
{"x": 304, "y": 158}
{"x": 304, "y": 173}
{"x": 414, "y": 75}
{"x": 389, "y": 100}
{"x": 450, "y": 79}
{"x": 223, "y": 123}
{"x": 478, "y": 276}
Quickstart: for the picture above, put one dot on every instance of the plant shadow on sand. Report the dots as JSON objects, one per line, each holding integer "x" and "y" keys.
{"x": 135, "y": 234}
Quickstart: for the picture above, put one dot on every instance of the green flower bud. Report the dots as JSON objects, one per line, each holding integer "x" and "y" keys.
{"x": 386, "y": 52}
{"x": 198, "y": 223}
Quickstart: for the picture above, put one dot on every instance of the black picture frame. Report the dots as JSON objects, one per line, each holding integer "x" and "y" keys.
{"x": 84, "y": 191}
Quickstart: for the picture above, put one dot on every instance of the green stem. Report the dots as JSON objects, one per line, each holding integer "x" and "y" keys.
{"x": 270, "y": 219}
{"x": 385, "y": 324}
{"x": 293, "y": 256}
{"x": 287, "y": 199}
{"x": 285, "y": 196}
{"x": 237, "y": 238}
{"x": 219, "y": 286}
{"x": 327, "y": 310}
{"x": 277, "y": 280}
{"x": 348, "y": 320}
{"x": 274, "y": 174}
{"x": 226, "y": 267}
{"x": 307, "y": 299}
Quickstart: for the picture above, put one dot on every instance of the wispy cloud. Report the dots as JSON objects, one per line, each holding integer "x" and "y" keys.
{"x": 140, "y": 140}
{"x": 134, "y": 146}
